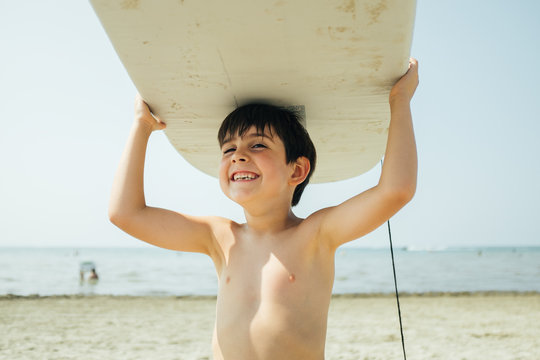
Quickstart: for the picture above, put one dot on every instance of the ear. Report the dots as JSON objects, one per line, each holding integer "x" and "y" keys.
{"x": 301, "y": 169}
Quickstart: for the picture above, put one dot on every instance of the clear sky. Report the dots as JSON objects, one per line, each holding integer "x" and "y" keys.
{"x": 66, "y": 110}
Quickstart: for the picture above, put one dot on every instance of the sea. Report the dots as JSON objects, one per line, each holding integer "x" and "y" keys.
{"x": 159, "y": 272}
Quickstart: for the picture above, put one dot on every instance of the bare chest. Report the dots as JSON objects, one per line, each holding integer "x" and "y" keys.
{"x": 285, "y": 269}
{"x": 269, "y": 277}
{"x": 273, "y": 294}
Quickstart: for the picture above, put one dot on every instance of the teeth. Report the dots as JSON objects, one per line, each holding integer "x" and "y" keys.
{"x": 244, "y": 176}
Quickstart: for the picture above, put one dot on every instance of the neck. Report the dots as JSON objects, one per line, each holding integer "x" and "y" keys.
{"x": 270, "y": 219}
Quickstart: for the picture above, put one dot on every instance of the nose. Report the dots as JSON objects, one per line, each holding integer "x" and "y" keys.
{"x": 239, "y": 157}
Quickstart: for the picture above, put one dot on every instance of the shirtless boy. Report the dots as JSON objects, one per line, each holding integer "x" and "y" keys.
{"x": 276, "y": 271}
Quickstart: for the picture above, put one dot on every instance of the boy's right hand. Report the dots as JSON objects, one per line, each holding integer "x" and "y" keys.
{"x": 145, "y": 118}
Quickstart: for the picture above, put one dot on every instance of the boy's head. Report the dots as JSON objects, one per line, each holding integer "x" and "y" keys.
{"x": 279, "y": 122}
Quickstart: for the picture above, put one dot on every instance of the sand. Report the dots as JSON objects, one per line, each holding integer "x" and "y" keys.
{"x": 459, "y": 326}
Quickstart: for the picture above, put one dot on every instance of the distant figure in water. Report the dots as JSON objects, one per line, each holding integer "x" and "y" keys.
{"x": 93, "y": 276}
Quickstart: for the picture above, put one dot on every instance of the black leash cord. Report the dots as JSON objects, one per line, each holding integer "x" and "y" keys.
{"x": 395, "y": 285}
{"x": 397, "y": 294}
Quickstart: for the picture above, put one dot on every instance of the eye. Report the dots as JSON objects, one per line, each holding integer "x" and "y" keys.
{"x": 228, "y": 150}
{"x": 259, "y": 146}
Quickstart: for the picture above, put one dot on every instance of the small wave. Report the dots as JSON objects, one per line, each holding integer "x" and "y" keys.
{"x": 130, "y": 275}
{"x": 425, "y": 248}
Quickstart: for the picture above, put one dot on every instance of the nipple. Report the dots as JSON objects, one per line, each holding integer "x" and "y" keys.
{"x": 292, "y": 278}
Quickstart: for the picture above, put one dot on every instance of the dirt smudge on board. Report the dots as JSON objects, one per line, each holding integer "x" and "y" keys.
{"x": 130, "y": 4}
{"x": 375, "y": 11}
{"x": 348, "y": 6}
{"x": 338, "y": 32}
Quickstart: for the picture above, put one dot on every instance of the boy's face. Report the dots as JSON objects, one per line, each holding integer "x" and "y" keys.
{"x": 254, "y": 167}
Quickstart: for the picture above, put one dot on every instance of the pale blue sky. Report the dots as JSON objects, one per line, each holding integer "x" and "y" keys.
{"x": 67, "y": 109}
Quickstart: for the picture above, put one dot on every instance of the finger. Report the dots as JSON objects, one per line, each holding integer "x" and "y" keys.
{"x": 413, "y": 63}
{"x": 158, "y": 119}
{"x": 160, "y": 124}
{"x": 140, "y": 103}
{"x": 139, "y": 99}
{"x": 413, "y": 67}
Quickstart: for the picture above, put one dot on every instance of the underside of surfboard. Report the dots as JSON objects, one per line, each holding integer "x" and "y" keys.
{"x": 194, "y": 61}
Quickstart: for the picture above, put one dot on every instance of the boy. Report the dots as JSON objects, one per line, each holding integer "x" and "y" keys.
{"x": 275, "y": 271}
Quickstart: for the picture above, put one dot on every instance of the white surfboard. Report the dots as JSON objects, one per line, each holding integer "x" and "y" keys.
{"x": 194, "y": 61}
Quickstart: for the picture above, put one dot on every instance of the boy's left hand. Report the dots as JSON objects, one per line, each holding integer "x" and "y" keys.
{"x": 406, "y": 86}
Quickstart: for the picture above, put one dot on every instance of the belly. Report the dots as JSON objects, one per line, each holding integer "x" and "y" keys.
{"x": 271, "y": 331}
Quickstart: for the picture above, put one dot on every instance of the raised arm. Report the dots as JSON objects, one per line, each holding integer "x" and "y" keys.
{"x": 397, "y": 184}
{"x": 127, "y": 206}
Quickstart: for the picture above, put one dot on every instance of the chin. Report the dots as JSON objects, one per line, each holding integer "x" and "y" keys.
{"x": 240, "y": 199}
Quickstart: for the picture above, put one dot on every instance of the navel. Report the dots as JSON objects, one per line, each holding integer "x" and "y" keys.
{"x": 228, "y": 280}
{"x": 292, "y": 278}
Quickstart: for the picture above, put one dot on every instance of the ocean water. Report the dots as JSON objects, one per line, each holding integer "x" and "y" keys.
{"x": 158, "y": 272}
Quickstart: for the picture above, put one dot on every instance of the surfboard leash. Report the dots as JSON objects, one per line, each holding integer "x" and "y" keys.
{"x": 397, "y": 293}
{"x": 395, "y": 285}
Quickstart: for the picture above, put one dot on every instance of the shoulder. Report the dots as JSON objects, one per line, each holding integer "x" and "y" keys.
{"x": 309, "y": 229}
{"x": 316, "y": 219}
{"x": 322, "y": 221}
{"x": 222, "y": 230}
{"x": 219, "y": 224}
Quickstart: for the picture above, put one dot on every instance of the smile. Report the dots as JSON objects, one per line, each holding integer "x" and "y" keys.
{"x": 243, "y": 176}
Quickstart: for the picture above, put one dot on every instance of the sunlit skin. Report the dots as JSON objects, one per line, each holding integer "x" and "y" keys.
{"x": 275, "y": 270}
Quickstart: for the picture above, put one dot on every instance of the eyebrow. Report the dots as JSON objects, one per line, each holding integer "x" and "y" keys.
{"x": 253, "y": 135}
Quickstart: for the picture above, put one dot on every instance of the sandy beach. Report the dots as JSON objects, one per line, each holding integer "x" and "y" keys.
{"x": 438, "y": 326}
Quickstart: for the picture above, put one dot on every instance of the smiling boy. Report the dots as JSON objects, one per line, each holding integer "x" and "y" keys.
{"x": 275, "y": 271}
